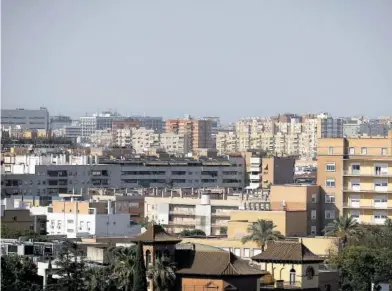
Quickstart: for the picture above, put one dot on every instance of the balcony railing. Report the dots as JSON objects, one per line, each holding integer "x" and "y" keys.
{"x": 366, "y": 174}
{"x": 182, "y": 212}
{"x": 373, "y": 205}
{"x": 374, "y": 190}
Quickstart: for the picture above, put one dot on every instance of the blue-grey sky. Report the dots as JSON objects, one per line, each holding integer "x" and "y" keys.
{"x": 225, "y": 58}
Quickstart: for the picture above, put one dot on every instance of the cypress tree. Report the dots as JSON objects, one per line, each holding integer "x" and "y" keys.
{"x": 140, "y": 281}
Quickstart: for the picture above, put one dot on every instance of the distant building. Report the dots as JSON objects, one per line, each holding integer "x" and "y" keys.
{"x": 25, "y": 118}
{"x": 104, "y": 120}
{"x": 199, "y": 131}
{"x": 84, "y": 218}
{"x": 58, "y": 122}
{"x": 149, "y": 122}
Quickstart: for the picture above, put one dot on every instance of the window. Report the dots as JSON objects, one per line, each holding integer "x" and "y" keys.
{"x": 292, "y": 277}
{"x": 384, "y": 151}
{"x": 246, "y": 253}
{"x": 313, "y": 230}
{"x": 381, "y": 185}
{"x": 351, "y": 151}
{"x": 70, "y": 221}
{"x": 226, "y": 249}
{"x": 330, "y": 214}
{"x": 256, "y": 251}
{"x": 363, "y": 151}
{"x": 148, "y": 258}
{"x": 237, "y": 252}
{"x": 356, "y": 169}
{"x": 329, "y": 198}
{"x": 330, "y": 183}
{"x": 314, "y": 198}
{"x": 309, "y": 273}
{"x": 313, "y": 214}
{"x": 69, "y": 230}
{"x": 380, "y": 170}
{"x": 330, "y": 150}
{"x": 330, "y": 167}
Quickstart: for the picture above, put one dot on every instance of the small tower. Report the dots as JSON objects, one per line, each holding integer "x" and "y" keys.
{"x": 157, "y": 243}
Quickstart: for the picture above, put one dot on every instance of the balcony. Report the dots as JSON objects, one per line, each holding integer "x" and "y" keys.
{"x": 351, "y": 173}
{"x": 221, "y": 214}
{"x": 182, "y": 212}
{"x": 182, "y": 223}
{"x": 373, "y": 205}
{"x": 254, "y": 177}
{"x": 361, "y": 190}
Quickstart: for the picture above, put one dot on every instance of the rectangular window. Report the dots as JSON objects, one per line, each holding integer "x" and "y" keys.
{"x": 330, "y": 183}
{"x": 330, "y": 167}
{"x": 314, "y": 198}
{"x": 381, "y": 169}
{"x": 384, "y": 151}
{"x": 355, "y": 169}
{"x": 313, "y": 214}
{"x": 330, "y": 150}
{"x": 363, "y": 151}
{"x": 351, "y": 151}
{"x": 70, "y": 221}
{"x": 313, "y": 229}
{"x": 246, "y": 253}
{"x": 237, "y": 252}
{"x": 329, "y": 214}
{"x": 329, "y": 198}
{"x": 69, "y": 230}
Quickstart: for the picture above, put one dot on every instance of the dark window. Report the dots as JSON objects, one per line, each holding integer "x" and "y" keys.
{"x": 309, "y": 273}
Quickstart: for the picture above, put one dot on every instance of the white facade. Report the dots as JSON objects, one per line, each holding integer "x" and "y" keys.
{"x": 175, "y": 143}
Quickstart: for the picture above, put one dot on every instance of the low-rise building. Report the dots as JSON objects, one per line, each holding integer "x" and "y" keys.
{"x": 83, "y": 218}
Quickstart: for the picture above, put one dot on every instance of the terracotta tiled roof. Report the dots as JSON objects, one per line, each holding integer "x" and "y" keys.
{"x": 287, "y": 251}
{"x": 198, "y": 259}
{"x": 155, "y": 234}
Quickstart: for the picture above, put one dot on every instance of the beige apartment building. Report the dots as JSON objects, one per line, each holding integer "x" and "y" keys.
{"x": 198, "y": 130}
{"x": 226, "y": 142}
{"x": 355, "y": 175}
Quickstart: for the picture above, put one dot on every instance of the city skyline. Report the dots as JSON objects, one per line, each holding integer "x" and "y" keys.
{"x": 259, "y": 59}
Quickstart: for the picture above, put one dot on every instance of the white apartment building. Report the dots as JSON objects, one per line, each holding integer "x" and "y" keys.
{"x": 25, "y": 118}
{"x": 226, "y": 142}
{"x": 144, "y": 139}
{"x": 102, "y": 138}
{"x": 90, "y": 124}
{"x": 175, "y": 143}
{"x": 83, "y": 219}
{"x": 207, "y": 212}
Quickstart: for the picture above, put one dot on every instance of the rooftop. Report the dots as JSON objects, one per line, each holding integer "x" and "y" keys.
{"x": 199, "y": 259}
{"x": 155, "y": 234}
{"x": 287, "y": 251}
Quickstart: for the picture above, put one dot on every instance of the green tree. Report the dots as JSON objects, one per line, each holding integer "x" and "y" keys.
{"x": 19, "y": 274}
{"x": 192, "y": 232}
{"x": 123, "y": 267}
{"x": 71, "y": 268}
{"x": 346, "y": 228}
{"x": 145, "y": 222}
{"x": 162, "y": 274}
{"x": 260, "y": 232}
{"x": 140, "y": 281}
{"x": 99, "y": 279}
{"x": 223, "y": 230}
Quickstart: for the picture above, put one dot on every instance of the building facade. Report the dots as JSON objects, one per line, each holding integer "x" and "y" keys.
{"x": 25, "y": 118}
{"x": 355, "y": 178}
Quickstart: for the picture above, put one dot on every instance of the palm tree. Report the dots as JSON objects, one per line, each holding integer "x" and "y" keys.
{"x": 262, "y": 231}
{"x": 123, "y": 266}
{"x": 345, "y": 227}
{"x": 162, "y": 274}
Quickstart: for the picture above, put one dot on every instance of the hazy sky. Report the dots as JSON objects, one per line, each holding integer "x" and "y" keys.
{"x": 225, "y": 58}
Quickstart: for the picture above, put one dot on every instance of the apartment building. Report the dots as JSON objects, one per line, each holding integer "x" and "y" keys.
{"x": 150, "y": 122}
{"x": 174, "y": 143}
{"x": 226, "y": 142}
{"x": 84, "y": 218}
{"x": 104, "y": 120}
{"x": 18, "y": 217}
{"x": 207, "y": 211}
{"x": 199, "y": 131}
{"x": 263, "y": 171}
{"x": 355, "y": 177}
{"x": 51, "y": 179}
{"x": 25, "y": 118}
